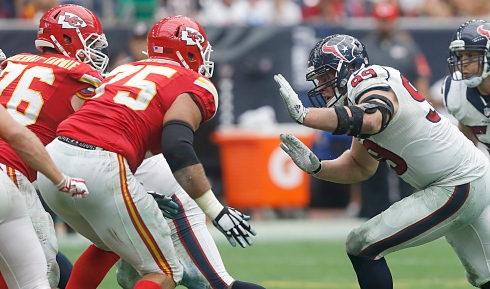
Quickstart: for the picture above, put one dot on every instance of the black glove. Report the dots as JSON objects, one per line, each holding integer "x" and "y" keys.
{"x": 168, "y": 207}
{"x": 234, "y": 226}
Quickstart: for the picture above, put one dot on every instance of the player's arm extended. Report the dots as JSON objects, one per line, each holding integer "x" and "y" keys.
{"x": 179, "y": 124}
{"x": 327, "y": 119}
{"x": 354, "y": 165}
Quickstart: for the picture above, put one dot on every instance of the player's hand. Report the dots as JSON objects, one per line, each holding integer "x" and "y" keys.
{"x": 301, "y": 155}
{"x": 168, "y": 207}
{"x": 73, "y": 186}
{"x": 294, "y": 105}
{"x": 234, "y": 226}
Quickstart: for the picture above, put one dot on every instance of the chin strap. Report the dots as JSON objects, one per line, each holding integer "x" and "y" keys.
{"x": 182, "y": 59}
{"x": 473, "y": 81}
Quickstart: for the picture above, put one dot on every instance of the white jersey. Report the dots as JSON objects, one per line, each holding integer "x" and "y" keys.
{"x": 469, "y": 107}
{"x": 419, "y": 144}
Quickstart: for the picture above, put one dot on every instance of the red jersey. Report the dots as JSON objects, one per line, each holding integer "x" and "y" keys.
{"x": 126, "y": 114}
{"x": 37, "y": 90}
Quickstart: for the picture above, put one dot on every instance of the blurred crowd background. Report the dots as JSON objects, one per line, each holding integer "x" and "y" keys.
{"x": 247, "y": 12}
{"x": 252, "y": 41}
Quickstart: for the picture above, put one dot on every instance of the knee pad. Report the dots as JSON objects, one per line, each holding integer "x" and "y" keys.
{"x": 193, "y": 279}
{"x": 354, "y": 243}
{"x": 126, "y": 275}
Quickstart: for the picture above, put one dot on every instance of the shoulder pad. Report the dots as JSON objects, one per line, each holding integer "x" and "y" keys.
{"x": 368, "y": 78}
{"x": 454, "y": 95}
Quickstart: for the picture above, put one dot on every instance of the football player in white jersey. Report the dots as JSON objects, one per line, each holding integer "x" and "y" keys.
{"x": 392, "y": 122}
{"x": 466, "y": 92}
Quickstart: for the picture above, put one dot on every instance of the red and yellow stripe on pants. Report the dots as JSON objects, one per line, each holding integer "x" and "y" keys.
{"x": 139, "y": 225}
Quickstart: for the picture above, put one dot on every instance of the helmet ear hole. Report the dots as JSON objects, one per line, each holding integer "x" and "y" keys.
{"x": 191, "y": 56}
{"x": 67, "y": 39}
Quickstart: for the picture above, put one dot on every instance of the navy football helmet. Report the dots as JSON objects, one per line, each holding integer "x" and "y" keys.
{"x": 473, "y": 36}
{"x": 341, "y": 53}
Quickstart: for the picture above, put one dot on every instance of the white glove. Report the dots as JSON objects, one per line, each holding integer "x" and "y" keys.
{"x": 73, "y": 186}
{"x": 2, "y": 56}
{"x": 294, "y": 105}
{"x": 234, "y": 226}
{"x": 301, "y": 155}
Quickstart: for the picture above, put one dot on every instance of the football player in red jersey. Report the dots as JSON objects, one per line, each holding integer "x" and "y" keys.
{"x": 22, "y": 261}
{"x": 40, "y": 91}
{"x": 154, "y": 105}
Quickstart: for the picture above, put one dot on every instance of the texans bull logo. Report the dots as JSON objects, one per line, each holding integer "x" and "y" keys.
{"x": 333, "y": 49}
{"x": 484, "y": 32}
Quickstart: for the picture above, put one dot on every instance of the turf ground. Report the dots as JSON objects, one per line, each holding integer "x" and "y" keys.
{"x": 296, "y": 261}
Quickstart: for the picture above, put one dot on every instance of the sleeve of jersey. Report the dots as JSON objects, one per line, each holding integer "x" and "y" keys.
{"x": 206, "y": 97}
{"x": 452, "y": 97}
{"x": 89, "y": 79}
{"x": 368, "y": 78}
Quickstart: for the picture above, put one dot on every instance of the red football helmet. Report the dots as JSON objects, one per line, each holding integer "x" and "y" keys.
{"x": 181, "y": 39}
{"x": 74, "y": 31}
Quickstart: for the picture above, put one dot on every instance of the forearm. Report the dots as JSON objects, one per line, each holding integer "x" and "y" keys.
{"x": 194, "y": 181}
{"x": 344, "y": 170}
{"x": 32, "y": 151}
{"x": 321, "y": 118}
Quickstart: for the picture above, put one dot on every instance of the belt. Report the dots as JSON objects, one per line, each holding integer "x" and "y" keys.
{"x": 80, "y": 144}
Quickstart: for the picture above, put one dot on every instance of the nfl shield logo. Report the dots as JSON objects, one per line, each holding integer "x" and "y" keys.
{"x": 486, "y": 111}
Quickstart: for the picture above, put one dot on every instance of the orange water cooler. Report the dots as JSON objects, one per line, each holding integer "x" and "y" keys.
{"x": 257, "y": 172}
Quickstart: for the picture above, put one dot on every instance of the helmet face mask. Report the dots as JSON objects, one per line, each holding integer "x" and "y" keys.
{"x": 183, "y": 40}
{"x": 73, "y": 31}
{"x": 337, "y": 57}
{"x": 93, "y": 53}
{"x": 322, "y": 82}
{"x": 469, "y": 53}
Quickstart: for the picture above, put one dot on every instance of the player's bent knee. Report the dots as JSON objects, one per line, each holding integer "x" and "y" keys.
{"x": 126, "y": 275}
{"x": 354, "y": 243}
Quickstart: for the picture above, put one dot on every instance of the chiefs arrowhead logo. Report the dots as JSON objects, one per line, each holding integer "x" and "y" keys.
{"x": 191, "y": 36}
{"x": 333, "y": 49}
{"x": 482, "y": 31}
{"x": 71, "y": 21}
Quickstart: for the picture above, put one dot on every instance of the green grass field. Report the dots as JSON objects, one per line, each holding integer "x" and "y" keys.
{"x": 324, "y": 265}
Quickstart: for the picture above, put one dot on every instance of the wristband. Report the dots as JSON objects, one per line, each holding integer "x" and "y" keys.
{"x": 62, "y": 184}
{"x": 318, "y": 169}
{"x": 209, "y": 204}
